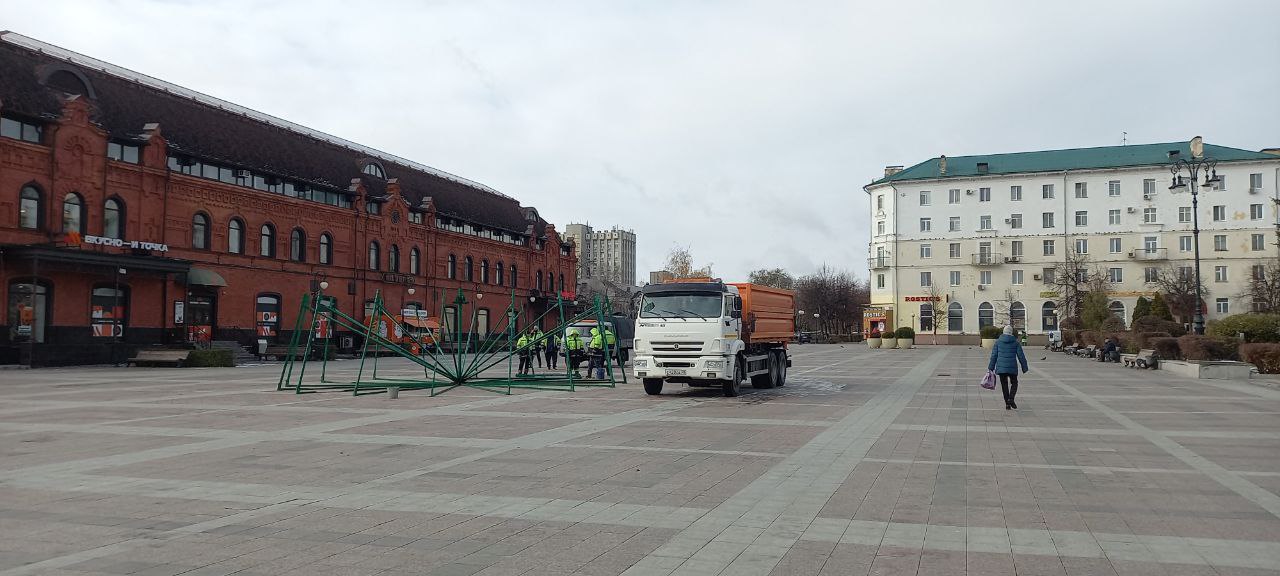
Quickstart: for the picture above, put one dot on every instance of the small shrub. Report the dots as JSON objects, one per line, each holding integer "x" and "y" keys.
{"x": 1194, "y": 347}
{"x": 210, "y": 359}
{"x": 1265, "y": 356}
{"x": 906, "y": 332}
{"x": 1127, "y": 341}
{"x": 1256, "y": 327}
{"x": 1155, "y": 324}
{"x": 1113, "y": 324}
{"x": 1166, "y": 348}
{"x": 990, "y": 332}
{"x": 1090, "y": 338}
{"x": 1143, "y": 339}
{"x": 1072, "y": 323}
{"x": 857, "y": 337}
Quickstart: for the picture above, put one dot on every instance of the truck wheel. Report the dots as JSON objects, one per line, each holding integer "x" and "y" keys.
{"x": 739, "y": 371}
{"x": 653, "y": 386}
{"x": 782, "y": 369}
{"x": 767, "y": 380}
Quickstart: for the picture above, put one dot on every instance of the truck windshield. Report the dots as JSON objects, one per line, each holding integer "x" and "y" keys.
{"x": 681, "y": 306}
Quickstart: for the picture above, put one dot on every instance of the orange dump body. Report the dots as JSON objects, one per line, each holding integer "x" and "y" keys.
{"x": 769, "y": 313}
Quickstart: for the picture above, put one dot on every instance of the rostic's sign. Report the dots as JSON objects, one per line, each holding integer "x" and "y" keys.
{"x": 924, "y": 298}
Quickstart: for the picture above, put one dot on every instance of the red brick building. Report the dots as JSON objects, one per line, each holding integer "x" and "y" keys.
{"x": 135, "y": 212}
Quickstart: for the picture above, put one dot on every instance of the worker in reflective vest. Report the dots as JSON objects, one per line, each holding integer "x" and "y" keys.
{"x": 595, "y": 366}
{"x": 573, "y": 351}
{"x": 523, "y": 350}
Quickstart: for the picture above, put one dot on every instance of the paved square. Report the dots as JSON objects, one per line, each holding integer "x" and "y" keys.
{"x": 867, "y": 462}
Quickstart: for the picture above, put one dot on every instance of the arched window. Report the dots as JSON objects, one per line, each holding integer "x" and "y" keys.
{"x": 393, "y": 258}
{"x": 200, "y": 232}
{"x": 986, "y": 315}
{"x": 515, "y": 278}
{"x": 235, "y": 236}
{"x": 467, "y": 269}
{"x": 500, "y": 277}
{"x": 1049, "y": 316}
{"x": 298, "y": 245}
{"x": 29, "y": 204}
{"x": 926, "y": 317}
{"x": 955, "y": 317}
{"x": 28, "y": 309}
{"x": 373, "y": 169}
{"x": 537, "y": 280}
{"x": 326, "y": 248}
{"x": 484, "y": 271}
{"x": 73, "y": 213}
{"x": 451, "y": 268}
{"x": 551, "y": 283}
{"x": 415, "y": 261}
{"x": 266, "y": 308}
{"x": 562, "y": 288}
{"x": 1018, "y": 315}
{"x": 113, "y": 218}
{"x": 375, "y": 254}
{"x": 267, "y": 241}
{"x": 482, "y": 323}
{"x": 1117, "y": 309}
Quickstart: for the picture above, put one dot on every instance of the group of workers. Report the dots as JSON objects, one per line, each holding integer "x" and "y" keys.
{"x": 533, "y": 345}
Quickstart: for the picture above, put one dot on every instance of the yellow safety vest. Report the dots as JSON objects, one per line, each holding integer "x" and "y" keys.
{"x": 575, "y": 341}
{"x": 522, "y": 342}
{"x": 597, "y": 341}
{"x": 610, "y": 338}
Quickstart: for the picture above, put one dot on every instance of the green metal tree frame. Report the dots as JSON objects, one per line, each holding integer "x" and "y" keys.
{"x": 447, "y": 361}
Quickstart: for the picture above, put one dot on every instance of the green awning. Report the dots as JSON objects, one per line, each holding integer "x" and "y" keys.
{"x": 204, "y": 277}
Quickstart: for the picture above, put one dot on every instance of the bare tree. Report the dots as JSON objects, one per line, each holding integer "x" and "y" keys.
{"x": 680, "y": 264}
{"x": 1178, "y": 285}
{"x": 1263, "y": 291}
{"x": 1071, "y": 279}
{"x": 837, "y": 297}
{"x": 935, "y": 294}
{"x": 775, "y": 277}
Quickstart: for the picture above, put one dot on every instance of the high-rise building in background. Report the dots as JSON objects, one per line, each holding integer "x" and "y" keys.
{"x": 609, "y": 255}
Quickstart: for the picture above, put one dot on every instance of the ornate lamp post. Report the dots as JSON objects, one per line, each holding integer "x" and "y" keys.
{"x": 1194, "y": 166}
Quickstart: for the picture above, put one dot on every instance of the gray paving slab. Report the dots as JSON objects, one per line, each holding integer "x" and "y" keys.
{"x": 868, "y": 461}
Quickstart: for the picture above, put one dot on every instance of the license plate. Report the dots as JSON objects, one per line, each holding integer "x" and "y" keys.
{"x": 676, "y": 372}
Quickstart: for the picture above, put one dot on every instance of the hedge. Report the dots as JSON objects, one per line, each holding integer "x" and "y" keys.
{"x": 906, "y": 332}
{"x": 990, "y": 332}
{"x": 1127, "y": 340}
{"x": 1071, "y": 323}
{"x": 1112, "y": 324}
{"x": 1071, "y": 337}
{"x": 1090, "y": 338}
{"x": 1256, "y": 327}
{"x": 1166, "y": 348}
{"x": 1266, "y": 357}
{"x": 1195, "y": 347}
{"x": 210, "y": 359}
{"x": 1143, "y": 339}
{"x": 1154, "y": 324}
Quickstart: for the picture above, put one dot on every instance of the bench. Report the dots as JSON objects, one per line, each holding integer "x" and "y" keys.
{"x": 1143, "y": 359}
{"x": 1090, "y": 351}
{"x": 163, "y": 357}
{"x": 282, "y": 352}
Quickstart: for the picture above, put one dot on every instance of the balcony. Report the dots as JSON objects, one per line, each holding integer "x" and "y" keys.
{"x": 879, "y": 262}
{"x": 1150, "y": 254}
{"x": 989, "y": 259}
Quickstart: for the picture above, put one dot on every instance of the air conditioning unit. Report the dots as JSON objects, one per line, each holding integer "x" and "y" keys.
{"x": 1035, "y": 276}
{"x": 1132, "y": 210}
{"x": 242, "y": 174}
{"x": 1133, "y": 253}
{"x": 968, "y": 192}
{"x": 1011, "y": 259}
{"x": 1146, "y": 196}
{"x": 1008, "y": 220}
{"x": 982, "y": 286}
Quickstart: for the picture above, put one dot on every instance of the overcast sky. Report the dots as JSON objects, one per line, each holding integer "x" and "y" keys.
{"x": 742, "y": 130}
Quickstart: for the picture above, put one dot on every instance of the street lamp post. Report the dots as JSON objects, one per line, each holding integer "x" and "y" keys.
{"x": 799, "y": 316}
{"x": 1193, "y": 167}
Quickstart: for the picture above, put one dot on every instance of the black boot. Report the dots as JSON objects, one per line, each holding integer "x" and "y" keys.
{"x": 1013, "y": 404}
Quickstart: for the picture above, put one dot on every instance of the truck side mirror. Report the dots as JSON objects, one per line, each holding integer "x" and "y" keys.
{"x": 735, "y": 314}
{"x": 737, "y": 305}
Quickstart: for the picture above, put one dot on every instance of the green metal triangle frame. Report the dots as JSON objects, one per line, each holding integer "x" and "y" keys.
{"x": 443, "y": 370}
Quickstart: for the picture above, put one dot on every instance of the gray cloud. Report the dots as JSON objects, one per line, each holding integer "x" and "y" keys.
{"x": 743, "y": 129}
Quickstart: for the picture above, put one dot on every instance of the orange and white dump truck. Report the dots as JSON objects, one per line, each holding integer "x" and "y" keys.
{"x": 704, "y": 332}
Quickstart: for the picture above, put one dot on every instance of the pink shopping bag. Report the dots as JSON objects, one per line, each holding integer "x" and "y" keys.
{"x": 989, "y": 380}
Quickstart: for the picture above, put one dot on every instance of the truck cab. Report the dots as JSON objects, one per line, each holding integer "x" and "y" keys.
{"x": 691, "y": 332}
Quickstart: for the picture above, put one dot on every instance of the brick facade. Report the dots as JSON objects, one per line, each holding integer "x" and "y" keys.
{"x": 159, "y": 205}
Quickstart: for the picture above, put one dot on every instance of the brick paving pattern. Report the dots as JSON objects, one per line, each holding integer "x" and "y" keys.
{"x": 867, "y": 462}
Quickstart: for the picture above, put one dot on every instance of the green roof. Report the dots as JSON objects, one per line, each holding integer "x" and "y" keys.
{"x": 1072, "y": 159}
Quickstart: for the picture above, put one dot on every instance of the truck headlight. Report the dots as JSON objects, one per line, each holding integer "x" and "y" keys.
{"x": 640, "y": 363}
{"x": 716, "y": 346}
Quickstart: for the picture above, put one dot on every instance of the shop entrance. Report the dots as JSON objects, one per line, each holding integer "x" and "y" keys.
{"x": 28, "y": 311}
{"x": 201, "y": 315}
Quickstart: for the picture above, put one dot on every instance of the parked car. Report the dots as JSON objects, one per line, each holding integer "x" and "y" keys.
{"x": 804, "y": 337}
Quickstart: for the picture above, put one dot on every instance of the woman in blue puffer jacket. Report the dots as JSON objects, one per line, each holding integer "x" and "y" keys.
{"x": 1006, "y": 354}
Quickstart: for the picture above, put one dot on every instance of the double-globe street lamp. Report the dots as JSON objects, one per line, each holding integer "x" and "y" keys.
{"x": 1194, "y": 166}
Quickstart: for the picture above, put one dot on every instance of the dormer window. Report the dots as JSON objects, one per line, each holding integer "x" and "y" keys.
{"x": 373, "y": 169}
{"x": 20, "y": 130}
{"x": 375, "y": 208}
{"x": 123, "y": 152}
{"x": 415, "y": 217}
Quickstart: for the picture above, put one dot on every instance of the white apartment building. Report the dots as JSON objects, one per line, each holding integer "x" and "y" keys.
{"x": 987, "y": 231}
{"x": 605, "y": 254}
